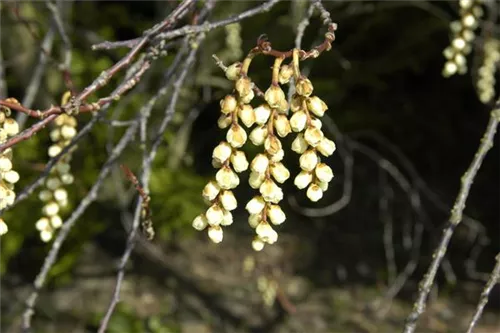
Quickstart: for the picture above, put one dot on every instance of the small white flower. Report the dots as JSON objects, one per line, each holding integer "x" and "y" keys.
{"x": 236, "y": 136}
{"x": 324, "y": 172}
{"x": 298, "y": 121}
{"x": 257, "y": 244}
{"x": 271, "y": 192}
{"x": 280, "y": 172}
{"x": 200, "y": 222}
{"x": 256, "y": 205}
{"x": 276, "y": 214}
{"x": 228, "y": 104}
{"x": 326, "y": 147}
{"x": 316, "y": 106}
{"x": 227, "y": 178}
{"x": 54, "y": 150}
{"x": 247, "y": 115}
{"x": 215, "y": 234}
{"x": 303, "y": 179}
{"x": 228, "y": 219}
{"x": 274, "y": 95}
{"x": 60, "y": 194}
{"x": 254, "y": 220}
{"x": 5, "y": 164}
{"x": 211, "y": 190}
{"x": 46, "y": 235}
{"x": 278, "y": 156}
{"x": 262, "y": 113}
{"x": 10, "y": 126}
{"x": 42, "y": 224}
{"x": 68, "y": 132}
{"x": 56, "y": 221}
{"x": 299, "y": 144}
{"x": 259, "y": 163}
{"x": 272, "y": 145}
{"x": 282, "y": 125}
{"x": 214, "y": 215}
{"x": 3, "y": 227}
{"x": 239, "y": 161}
{"x": 313, "y": 136}
{"x": 228, "y": 200}
{"x": 266, "y": 233}
{"x": 256, "y": 179}
{"x": 258, "y": 135}
{"x": 314, "y": 193}
{"x": 50, "y": 209}
{"x": 308, "y": 160}
{"x": 223, "y": 122}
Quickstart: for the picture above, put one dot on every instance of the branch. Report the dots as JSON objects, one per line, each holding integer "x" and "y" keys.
{"x": 454, "y": 220}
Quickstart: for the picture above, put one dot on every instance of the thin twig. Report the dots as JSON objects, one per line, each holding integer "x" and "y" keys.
{"x": 455, "y": 218}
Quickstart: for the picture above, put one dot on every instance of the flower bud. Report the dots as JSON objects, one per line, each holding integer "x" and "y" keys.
{"x": 276, "y": 215}
{"x": 227, "y": 178}
{"x": 42, "y": 224}
{"x": 266, "y": 232}
{"x": 223, "y": 122}
{"x": 285, "y": 74}
{"x": 316, "y": 106}
{"x": 278, "y": 156}
{"x": 326, "y": 147}
{"x": 236, "y": 136}
{"x": 239, "y": 161}
{"x": 46, "y": 235}
{"x": 228, "y": 104}
{"x": 233, "y": 71}
{"x": 254, "y": 220}
{"x": 323, "y": 186}
{"x": 215, "y": 234}
{"x": 56, "y": 221}
{"x": 222, "y": 152}
{"x": 313, "y": 136}
{"x": 262, "y": 113}
{"x": 282, "y": 125}
{"x": 60, "y": 195}
{"x": 214, "y": 215}
{"x": 10, "y": 126}
{"x": 259, "y": 163}
{"x": 314, "y": 193}
{"x": 256, "y": 205}
{"x": 324, "y": 172}
{"x": 246, "y": 99}
{"x": 68, "y": 132}
{"x": 55, "y": 134}
{"x": 272, "y": 145}
{"x": 283, "y": 106}
{"x": 257, "y": 244}
{"x": 304, "y": 87}
{"x": 274, "y": 96}
{"x": 258, "y": 135}
{"x": 52, "y": 208}
{"x": 210, "y": 191}
{"x": 200, "y": 222}
{"x": 228, "y": 200}
{"x": 270, "y": 191}
{"x": 54, "y": 150}
{"x": 5, "y": 164}
{"x": 243, "y": 86}
{"x": 228, "y": 219}
{"x": 315, "y": 122}
{"x": 296, "y": 103}
{"x": 303, "y": 179}
{"x": 10, "y": 197}
{"x": 280, "y": 172}
{"x": 256, "y": 179}
{"x": 308, "y": 160}
{"x": 299, "y": 144}
{"x": 246, "y": 115}
{"x": 298, "y": 121}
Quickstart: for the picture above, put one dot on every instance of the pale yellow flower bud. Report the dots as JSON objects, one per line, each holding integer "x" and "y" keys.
{"x": 200, "y": 222}
{"x": 316, "y": 106}
{"x": 246, "y": 99}
{"x": 211, "y": 190}
{"x": 214, "y": 215}
{"x": 308, "y": 160}
{"x": 298, "y": 121}
{"x": 256, "y": 179}
{"x": 54, "y": 150}
{"x": 323, "y": 186}
{"x": 228, "y": 200}
{"x": 53, "y": 183}
{"x": 283, "y": 106}
{"x": 5, "y": 164}
{"x": 270, "y": 191}
{"x": 299, "y": 144}
{"x": 315, "y": 122}
{"x": 274, "y": 96}
{"x": 278, "y": 156}
{"x": 228, "y": 104}
{"x": 224, "y": 121}
{"x": 303, "y": 179}
{"x": 258, "y": 135}
{"x": 276, "y": 214}
{"x": 46, "y": 235}
{"x": 314, "y": 193}
{"x": 266, "y": 233}
{"x": 67, "y": 179}
{"x": 280, "y": 172}
{"x": 313, "y": 136}
{"x": 4, "y": 229}
{"x": 45, "y": 195}
{"x": 222, "y": 152}
{"x": 304, "y": 87}
{"x": 239, "y": 161}
{"x": 56, "y": 221}
{"x": 42, "y": 224}
{"x": 326, "y": 147}
{"x": 55, "y": 134}
{"x": 282, "y": 126}
{"x": 215, "y": 234}
{"x": 262, "y": 113}
{"x": 259, "y": 163}
{"x": 60, "y": 194}
{"x": 10, "y": 197}
{"x": 236, "y": 136}
{"x": 228, "y": 219}
{"x": 285, "y": 74}
{"x": 52, "y": 208}
{"x": 296, "y": 103}
{"x": 68, "y": 132}
{"x": 257, "y": 244}
{"x": 243, "y": 86}
{"x": 324, "y": 172}
{"x": 233, "y": 71}
{"x": 272, "y": 145}
{"x": 247, "y": 115}
{"x": 255, "y": 205}
{"x": 3, "y": 135}
{"x": 7, "y": 153}
{"x": 10, "y": 126}
{"x": 227, "y": 178}
{"x": 254, "y": 220}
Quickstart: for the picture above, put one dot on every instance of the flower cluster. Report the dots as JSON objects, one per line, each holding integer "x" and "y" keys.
{"x": 486, "y": 81}
{"x": 8, "y": 177}
{"x": 54, "y": 195}
{"x": 463, "y": 36}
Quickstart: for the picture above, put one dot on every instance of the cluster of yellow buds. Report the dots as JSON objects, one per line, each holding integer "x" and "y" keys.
{"x": 271, "y": 121}
{"x": 8, "y": 177}
{"x": 463, "y": 36}
{"x": 54, "y": 195}
{"x": 486, "y": 80}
